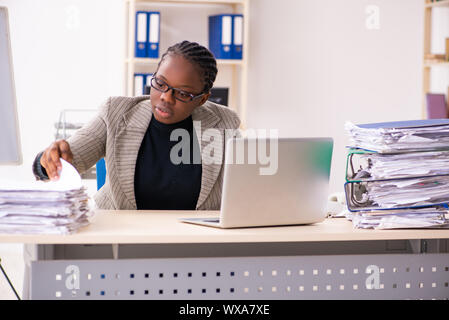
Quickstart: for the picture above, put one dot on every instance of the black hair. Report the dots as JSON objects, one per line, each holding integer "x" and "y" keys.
{"x": 200, "y": 57}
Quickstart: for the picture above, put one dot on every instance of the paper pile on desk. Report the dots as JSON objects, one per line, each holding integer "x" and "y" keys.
{"x": 56, "y": 207}
{"x": 400, "y": 219}
{"x": 405, "y": 182}
{"x": 406, "y": 137}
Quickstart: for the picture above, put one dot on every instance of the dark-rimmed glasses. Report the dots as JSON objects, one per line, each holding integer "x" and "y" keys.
{"x": 181, "y": 95}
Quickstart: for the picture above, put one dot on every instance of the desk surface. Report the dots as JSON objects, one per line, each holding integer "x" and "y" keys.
{"x": 164, "y": 227}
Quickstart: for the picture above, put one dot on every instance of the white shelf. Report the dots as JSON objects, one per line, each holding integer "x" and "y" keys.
{"x": 235, "y": 71}
{"x": 149, "y": 61}
{"x": 444, "y": 3}
{"x": 436, "y": 63}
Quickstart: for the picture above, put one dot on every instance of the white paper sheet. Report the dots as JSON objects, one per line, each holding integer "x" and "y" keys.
{"x": 38, "y": 207}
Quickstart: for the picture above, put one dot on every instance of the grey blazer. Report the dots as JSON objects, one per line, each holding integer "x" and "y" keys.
{"x": 116, "y": 134}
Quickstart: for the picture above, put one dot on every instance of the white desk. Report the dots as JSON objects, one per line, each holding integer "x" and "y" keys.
{"x": 163, "y": 227}
{"x": 154, "y": 256}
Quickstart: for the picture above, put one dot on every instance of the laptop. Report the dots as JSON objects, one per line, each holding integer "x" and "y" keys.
{"x": 288, "y": 187}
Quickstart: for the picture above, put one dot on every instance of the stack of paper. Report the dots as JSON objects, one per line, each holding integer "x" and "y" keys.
{"x": 406, "y": 136}
{"x": 403, "y": 174}
{"x": 415, "y": 164}
{"x": 60, "y": 207}
{"x": 398, "y": 219}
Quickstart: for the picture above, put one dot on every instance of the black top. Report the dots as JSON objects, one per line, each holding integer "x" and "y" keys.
{"x": 162, "y": 183}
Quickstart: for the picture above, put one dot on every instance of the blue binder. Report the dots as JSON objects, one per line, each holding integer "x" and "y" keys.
{"x": 141, "y": 80}
{"x": 405, "y": 124}
{"x": 154, "y": 22}
{"x": 237, "y": 38}
{"x": 141, "y": 34}
{"x": 101, "y": 173}
{"x": 220, "y": 35}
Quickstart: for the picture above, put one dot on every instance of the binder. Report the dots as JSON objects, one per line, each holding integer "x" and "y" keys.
{"x": 147, "y": 85}
{"x": 141, "y": 80}
{"x": 147, "y": 34}
{"x": 357, "y": 199}
{"x": 153, "y": 34}
{"x": 400, "y": 136}
{"x": 100, "y": 168}
{"x": 226, "y": 36}
{"x": 436, "y": 106}
{"x": 359, "y": 163}
{"x": 220, "y": 36}
{"x": 139, "y": 83}
{"x": 237, "y": 43}
{"x": 405, "y": 124}
{"x": 141, "y": 34}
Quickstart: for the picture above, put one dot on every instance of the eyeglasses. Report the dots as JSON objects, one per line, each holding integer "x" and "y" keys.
{"x": 183, "y": 96}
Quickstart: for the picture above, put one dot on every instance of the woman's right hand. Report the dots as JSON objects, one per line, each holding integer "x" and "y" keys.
{"x": 50, "y": 158}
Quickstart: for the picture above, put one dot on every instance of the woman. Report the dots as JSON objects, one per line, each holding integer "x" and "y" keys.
{"x": 135, "y": 135}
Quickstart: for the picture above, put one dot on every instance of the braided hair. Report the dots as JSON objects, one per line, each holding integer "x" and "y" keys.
{"x": 199, "y": 56}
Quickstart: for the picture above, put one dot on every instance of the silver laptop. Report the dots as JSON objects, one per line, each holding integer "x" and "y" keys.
{"x": 273, "y": 183}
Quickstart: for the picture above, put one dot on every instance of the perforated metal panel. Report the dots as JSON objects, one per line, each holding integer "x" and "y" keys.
{"x": 389, "y": 276}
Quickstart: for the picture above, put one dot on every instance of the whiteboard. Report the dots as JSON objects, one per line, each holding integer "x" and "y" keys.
{"x": 10, "y": 149}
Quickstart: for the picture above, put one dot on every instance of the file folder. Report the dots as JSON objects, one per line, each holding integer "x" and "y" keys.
{"x": 361, "y": 164}
{"x": 436, "y": 106}
{"x": 237, "y": 43}
{"x": 147, "y": 85}
{"x": 141, "y": 80}
{"x": 141, "y": 34}
{"x": 100, "y": 168}
{"x": 139, "y": 84}
{"x": 405, "y": 124}
{"x": 220, "y": 36}
{"x": 153, "y": 34}
{"x": 357, "y": 199}
{"x": 400, "y": 136}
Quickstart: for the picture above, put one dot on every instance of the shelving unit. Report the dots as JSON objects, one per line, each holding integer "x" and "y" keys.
{"x": 235, "y": 70}
{"x": 428, "y": 64}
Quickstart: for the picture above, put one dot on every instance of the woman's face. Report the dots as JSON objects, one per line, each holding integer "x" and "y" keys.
{"x": 177, "y": 72}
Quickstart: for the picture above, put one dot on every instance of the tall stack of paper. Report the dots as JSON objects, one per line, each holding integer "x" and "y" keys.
{"x": 398, "y": 174}
{"x": 60, "y": 207}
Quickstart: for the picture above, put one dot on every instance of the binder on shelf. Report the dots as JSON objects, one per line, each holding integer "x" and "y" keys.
{"x": 141, "y": 34}
{"x": 147, "y": 85}
{"x": 154, "y": 18}
{"x": 141, "y": 80}
{"x": 237, "y": 43}
{"x": 147, "y": 34}
{"x": 436, "y": 106}
{"x": 226, "y": 36}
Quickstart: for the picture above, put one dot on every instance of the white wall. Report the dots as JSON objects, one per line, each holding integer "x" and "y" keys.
{"x": 315, "y": 65}
{"x": 66, "y": 54}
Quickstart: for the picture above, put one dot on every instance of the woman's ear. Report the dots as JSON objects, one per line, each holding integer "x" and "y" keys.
{"x": 204, "y": 99}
